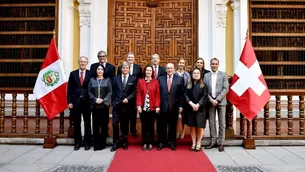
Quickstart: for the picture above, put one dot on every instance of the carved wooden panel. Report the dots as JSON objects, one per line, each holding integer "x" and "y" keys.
{"x": 132, "y": 31}
{"x": 169, "y": 30}
{"x": 174, "y": 36}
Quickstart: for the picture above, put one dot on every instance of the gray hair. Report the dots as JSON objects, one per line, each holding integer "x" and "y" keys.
{"x": 125, "y": 63}
{"x": 102, "y": 52}
{"x": 155, "y": 55}
{"x": 130, "y": 53}
{"x": 82, "y": 57}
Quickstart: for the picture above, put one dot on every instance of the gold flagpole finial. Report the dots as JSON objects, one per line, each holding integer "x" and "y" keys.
{"x": 54, "y": 33}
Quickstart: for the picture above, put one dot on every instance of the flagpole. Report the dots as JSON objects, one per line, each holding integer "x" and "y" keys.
{"x": 50, "y": 140}
{"x": 249, "y": 142}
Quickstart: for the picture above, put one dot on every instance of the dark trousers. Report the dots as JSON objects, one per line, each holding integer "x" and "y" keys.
{"x": 133, "y": 120}
{"x": 167, "y": 127}
{"x": 100, "y": 119}
{"x": 77, "y": 111}
{"x": 147, "y": 126}
{"x": 120, "y": 119}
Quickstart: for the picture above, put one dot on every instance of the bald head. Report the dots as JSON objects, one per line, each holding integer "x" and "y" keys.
{"x": 170, "y": 69}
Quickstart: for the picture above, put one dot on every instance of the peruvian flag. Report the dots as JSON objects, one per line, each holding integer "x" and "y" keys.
{"x": 51, "y": 84}
{"x": 248, "y": 90}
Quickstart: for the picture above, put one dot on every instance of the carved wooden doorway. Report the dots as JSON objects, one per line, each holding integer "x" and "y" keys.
{"x": 169, "y": 30}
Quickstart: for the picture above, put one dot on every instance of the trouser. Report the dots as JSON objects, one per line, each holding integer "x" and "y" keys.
{"x": 167, "y": 122}
{"x": 100, "y": 119}
{"x": 147, "y": 126}
{"x": 221, "y": 112}
{"x": 77, "y": 112}
{"x": 120, "y": 121}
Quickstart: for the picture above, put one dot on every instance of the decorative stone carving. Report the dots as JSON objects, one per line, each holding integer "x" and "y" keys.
{"x": 84, "y": 10}
{"x": 221, "y": 12}
{"x": 235, "y": 4}
{"x": 71, "y": 5}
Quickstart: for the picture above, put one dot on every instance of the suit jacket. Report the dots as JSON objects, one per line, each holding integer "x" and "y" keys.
{"x": 222, "y": 86}
{"x": 161, "y": 71}
{"x": 104, "y": 90}
{"x": 137, "y": 71}
{"x": 108, "y": 73}
{"x": 171, "y": 100}
{"x": 153, "y": 88}
{"x": 119, "y": 94}
{"x": 77, "y": 91}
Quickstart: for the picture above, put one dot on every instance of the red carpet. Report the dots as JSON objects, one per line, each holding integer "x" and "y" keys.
{"x": 166, "y": 160}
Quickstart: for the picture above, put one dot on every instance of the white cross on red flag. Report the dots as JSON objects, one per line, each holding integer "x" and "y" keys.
{"x": 248, "y": 90}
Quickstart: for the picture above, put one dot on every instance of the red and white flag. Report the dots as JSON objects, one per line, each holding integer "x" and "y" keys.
{"x": 51, "y": 84}
{"x": 248, "y": 90}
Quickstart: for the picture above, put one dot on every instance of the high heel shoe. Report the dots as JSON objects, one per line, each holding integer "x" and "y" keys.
{"x": 198, "y": 148}
{"x": 192, "y": 148}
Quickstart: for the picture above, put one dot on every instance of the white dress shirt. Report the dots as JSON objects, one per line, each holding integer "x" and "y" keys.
{"x": 131, "y": 69}
{"x": 214, "y": 82}
{"x": 84, "y": 73}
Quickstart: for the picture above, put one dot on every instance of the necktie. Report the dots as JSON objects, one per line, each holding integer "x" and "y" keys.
{"x": 124, "y": 81}
{"x": 155, "y": 72}
{"x": 81, "y": 78}
{"x": 169, "y": 84}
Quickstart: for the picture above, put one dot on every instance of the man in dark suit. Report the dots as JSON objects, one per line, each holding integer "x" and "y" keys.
{"x": 135, "y": 70}
{"x": 158, "y": 70}
{"x": 171, "y": 93}
{"x": 123, "y": 102}
{"x": 109, "y": 68}
{"x": 78, "y": 100}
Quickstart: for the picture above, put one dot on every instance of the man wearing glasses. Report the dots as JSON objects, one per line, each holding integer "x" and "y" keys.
{"x": 109, "y": 68}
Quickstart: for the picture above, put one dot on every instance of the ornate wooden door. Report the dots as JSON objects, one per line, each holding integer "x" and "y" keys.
{"x": 169, "y": 30}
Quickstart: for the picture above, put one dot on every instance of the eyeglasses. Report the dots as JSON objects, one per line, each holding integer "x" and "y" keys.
{"x": 101, "y": 56}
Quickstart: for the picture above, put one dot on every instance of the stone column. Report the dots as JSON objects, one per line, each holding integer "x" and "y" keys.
{"x": 84, "y": 9}
{"x": 65, "y": 34}
{"x": 219, "y": 50}
{"x": 235, "y": 5}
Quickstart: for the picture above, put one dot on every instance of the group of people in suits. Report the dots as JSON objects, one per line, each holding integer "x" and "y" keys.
{"x": 155, "y": 94}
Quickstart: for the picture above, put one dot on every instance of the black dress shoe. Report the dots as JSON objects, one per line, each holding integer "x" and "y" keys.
{"x": 87, "y": 147}
{"x": 213, "y": 145}
{"x": 125, "y": 146}
{"x": 150, "y": 147}
{"x": 114, "y": 148}
{"x": 76, "y": 147}
{"x": 221, "y": 148}
{"x": 144, "y": 147}
{"x": 160, "y": 146}
{"x": 172, "y": 147}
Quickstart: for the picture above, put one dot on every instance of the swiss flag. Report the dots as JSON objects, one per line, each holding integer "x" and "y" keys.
{"x": 248, "y": 90}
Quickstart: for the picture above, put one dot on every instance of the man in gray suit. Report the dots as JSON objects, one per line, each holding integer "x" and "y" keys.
{"x": 218, "y": 87}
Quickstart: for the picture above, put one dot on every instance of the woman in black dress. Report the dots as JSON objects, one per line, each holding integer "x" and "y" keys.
{"x": 196, "y": 98}
{"x": 100, "y": 91}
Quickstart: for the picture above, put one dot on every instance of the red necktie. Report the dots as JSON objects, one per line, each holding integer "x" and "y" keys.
{"x": 169, "y": 84}
{"x": 155, "y": 72}
{"x": 81, "y": 78}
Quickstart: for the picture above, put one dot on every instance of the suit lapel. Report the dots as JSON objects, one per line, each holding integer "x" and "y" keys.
{"x": 77, "y": 77}
{"x": 87, "y": 76}
{"x": 120, "y": 83}
{"x": 209, "y": 79}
